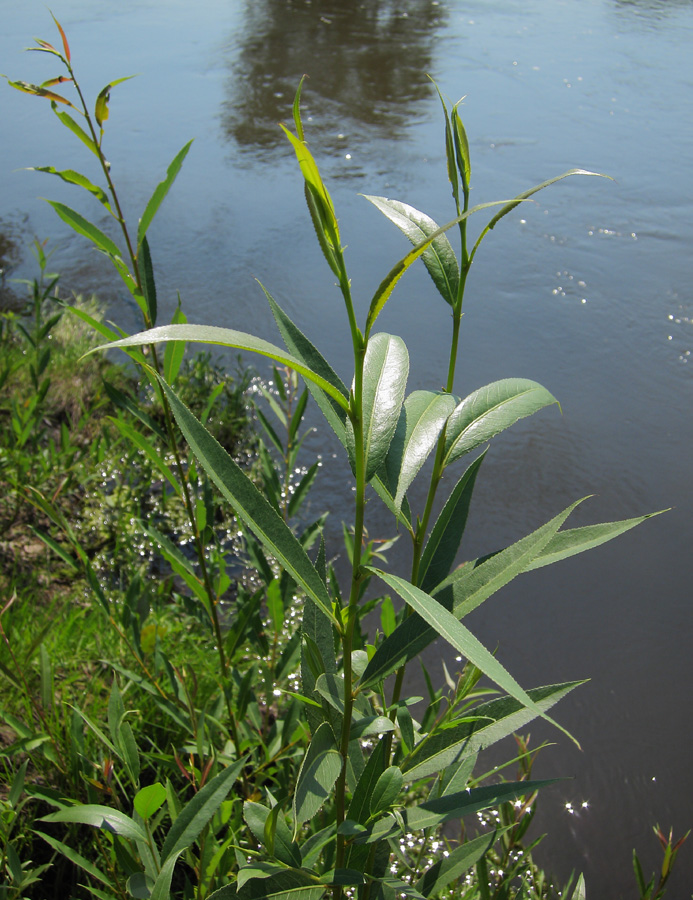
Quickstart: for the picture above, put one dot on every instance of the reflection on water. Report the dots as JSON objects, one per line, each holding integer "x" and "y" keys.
{"x": 651, "y": 10}
{"x": 366, "y": 63}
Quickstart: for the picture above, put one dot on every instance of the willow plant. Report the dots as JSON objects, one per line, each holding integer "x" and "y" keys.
{"x": 338, "y": 824}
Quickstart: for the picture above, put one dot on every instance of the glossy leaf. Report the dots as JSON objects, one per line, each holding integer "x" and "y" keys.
{"x": 76, "y": 178}
{"x": 490, "y": 410}
{"x": 455, "y": 806}
{"x": 439, "y": 257}
{"x": 446, "y": 535}
{"x": 464, "y": 164}
{"x": 385, "y": 370}
{"x": 227, "y": 337}
{"x": 317, "y": 776}
{"x": 453, "y": 866}
{"x": 421, "y": 420}
{"x": 461, "y": 639}
{"x": 370, "y": 725}
{"x": 198, "y": 811}
{"x": 160, "y": 193}
{"x": 484, "y": 725}
{"x": 99, "y": 817}
{"x": 579, "y": 893}
{"x": 388, "y": 284}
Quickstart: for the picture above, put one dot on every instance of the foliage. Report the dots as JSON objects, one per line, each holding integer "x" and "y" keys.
{"x": 236, "y": 752}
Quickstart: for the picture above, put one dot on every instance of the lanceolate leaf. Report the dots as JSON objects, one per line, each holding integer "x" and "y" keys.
{"x": 148, "y": 283}
{"x": 421, "y": 420}
{"x": 77, "y": 859}
{"x": 387, "y": 285}
{"x": 80, "y": 180}
{"x": 485, "y": 725}
{"x": 249, "y": 504}
{"x": 75, "y": 128}
{"x": 461, "y": 639}
{"x": 490, "y": 410}
{"x": 79, "y": 224}
{"x": 160, "y": 192}
{"x": 289, "y": 885}
{"x": 198, "y": 811}
{"x": 446, "y": 535}
{"x": 453, "y": 866}
{"x": 456, "y": 806}
{"x": 385, "y": 371}
{"x": 439, "y": 257}
{"x": 510, "y": 205}
{"x": 227, "y": 337}
{"x": 317, "y": 776}
{"x": 465, "y": 589}
{"x": 576, "y": 540}
{"x": 299, "y": 345}
{"x": 99, "y": 817}
{"x": 101, "y": 110}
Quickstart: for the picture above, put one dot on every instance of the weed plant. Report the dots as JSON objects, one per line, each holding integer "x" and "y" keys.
{"x": 255, "y": 741}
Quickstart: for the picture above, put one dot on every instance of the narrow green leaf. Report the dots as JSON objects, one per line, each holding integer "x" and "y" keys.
{"x": 453, "y": 866}
{"x": 385, "y": 371}
{"x": 464, "y": 164}
{"x": 149, "y": 799}
{"x": 317, "y": 776}
{"x": 388, "y": 284}
{"x": 466, "y": 588}
{"x": 579, "y": 893}
{"x": 145, "y": 445}
{"x": 484, "y": 726}
{"x": 318, "y": 190}
{"x": 439, "y": 257}
{"x": 148, "y": 283}
{"x": 446, "y": 535}
{"x": 17, "y": 788}
{"x": 387, "y": 790}
{"x": 72, "y": 177}
{"x": 75, "y": 128}
{"x": 576, "y": 540}
{"x": 330, "y": 686}
{"x": 249, "y": 504}
{"x": 226, "y": 337}
{"x": 461, "y": 639}
{"x": 489, "y": 410}
{"x": 257, "y": 869}
{"x": 195, "y": 814}
{"x": 162, "y": 885}
{"x": 289, "y": 885}
{"x": 101, "y": 111}
{"x": 99, "y": 817}
{"x": 160, "y": 192}
{"x": 77, "y": 859}
{"x": 456, "y": 806}
{"x": 370, "y": 725}
{"x": 82, "y": 226}
{"x": 421, "y": 420}
{"x": 285, "y": 849}
{"x": 299, "y": 345}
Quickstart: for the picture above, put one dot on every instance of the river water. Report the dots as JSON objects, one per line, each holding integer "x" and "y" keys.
{"x": 587, "y": 290}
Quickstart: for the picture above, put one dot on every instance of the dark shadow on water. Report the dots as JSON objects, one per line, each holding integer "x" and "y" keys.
{"x": 366, "y": 62}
